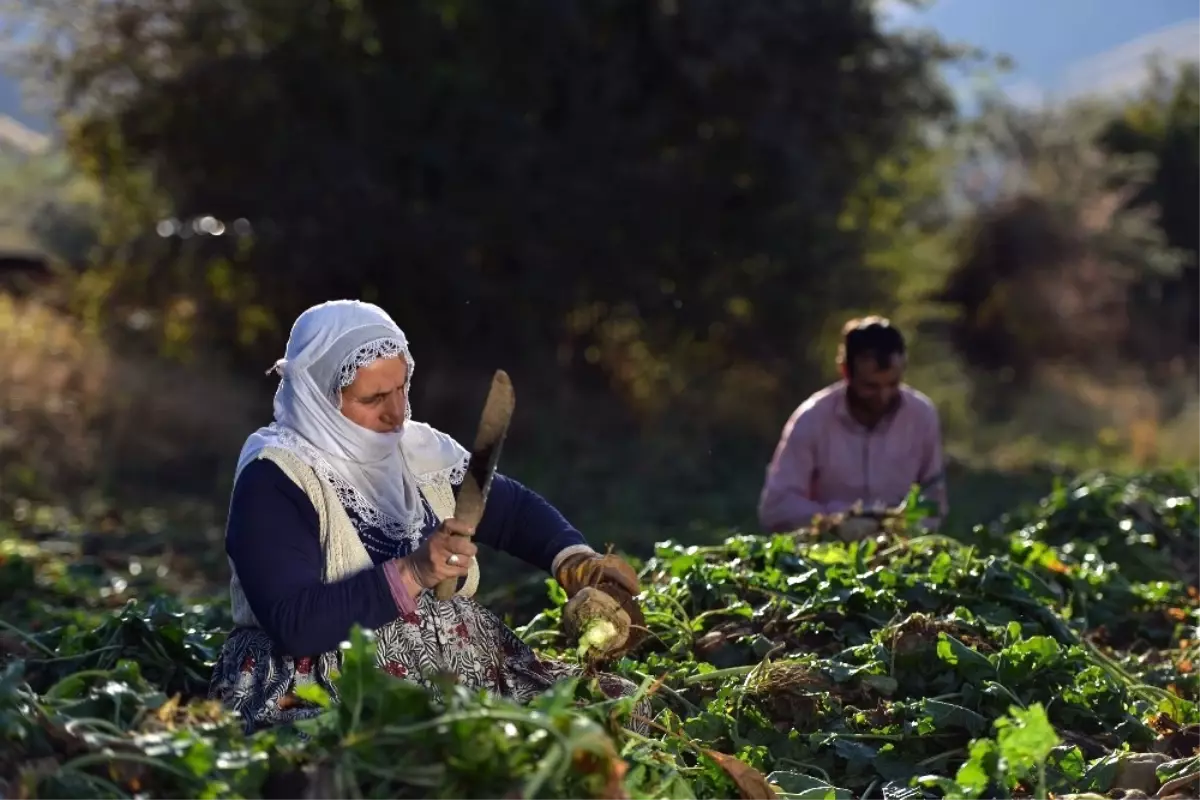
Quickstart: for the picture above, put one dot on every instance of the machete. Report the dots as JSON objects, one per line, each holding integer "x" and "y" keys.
{"x": 481, "y": 466}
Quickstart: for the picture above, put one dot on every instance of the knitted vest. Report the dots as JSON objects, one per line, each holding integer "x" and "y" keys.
{"x": 342, "y": 551}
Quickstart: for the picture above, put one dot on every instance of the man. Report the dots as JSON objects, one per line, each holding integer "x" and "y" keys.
{"x": 868, "y": 437}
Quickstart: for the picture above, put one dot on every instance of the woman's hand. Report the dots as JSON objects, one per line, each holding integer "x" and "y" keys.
{"x": 445, "y": 554}
{"x": 593, "y": 569}
{"x": 613, "y": 576}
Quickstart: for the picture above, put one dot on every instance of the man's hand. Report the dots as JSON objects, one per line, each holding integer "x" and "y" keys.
{"x": 445, "y": 554}
{"x": 855, "y": 529}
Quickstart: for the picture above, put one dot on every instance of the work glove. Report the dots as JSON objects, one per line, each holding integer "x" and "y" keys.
{"x": 593, "y": 569}
{"x": 612, "y": 575}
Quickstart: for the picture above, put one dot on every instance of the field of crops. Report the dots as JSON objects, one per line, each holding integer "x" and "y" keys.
{"x": 1050, "y": 653}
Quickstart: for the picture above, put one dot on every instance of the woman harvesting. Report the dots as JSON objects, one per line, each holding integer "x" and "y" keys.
{"x": 340, "y": 515}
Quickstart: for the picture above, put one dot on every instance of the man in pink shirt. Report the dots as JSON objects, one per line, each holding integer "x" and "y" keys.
{"x": 868, "y": 437}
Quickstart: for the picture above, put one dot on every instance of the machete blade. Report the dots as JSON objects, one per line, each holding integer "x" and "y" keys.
{"x": 481, "y": 466}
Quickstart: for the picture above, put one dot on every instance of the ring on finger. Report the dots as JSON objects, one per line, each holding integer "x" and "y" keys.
{"x": 453, "y": 560}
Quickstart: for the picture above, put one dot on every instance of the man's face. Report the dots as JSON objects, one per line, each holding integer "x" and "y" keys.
{"x": 875, "y": 388}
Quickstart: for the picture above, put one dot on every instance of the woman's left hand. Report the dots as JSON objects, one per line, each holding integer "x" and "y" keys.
{"x": 593, "y": 569}
{"x": 611, "y": 575}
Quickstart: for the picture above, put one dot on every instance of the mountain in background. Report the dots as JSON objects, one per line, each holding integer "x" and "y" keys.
{"x": 12, "y": 107}
{"x": 20, "y": 130}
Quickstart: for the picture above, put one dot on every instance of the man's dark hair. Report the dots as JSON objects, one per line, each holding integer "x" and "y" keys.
{"x": 870, "y": 336}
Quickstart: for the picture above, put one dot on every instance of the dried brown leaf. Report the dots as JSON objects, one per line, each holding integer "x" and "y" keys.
{"x": 751, "y": 784}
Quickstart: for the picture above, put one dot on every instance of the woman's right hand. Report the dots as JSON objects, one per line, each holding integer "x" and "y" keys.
{"x": 445, "y": 554}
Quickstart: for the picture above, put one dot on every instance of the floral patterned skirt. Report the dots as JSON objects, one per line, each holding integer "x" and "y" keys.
{"x": 459, "y": 636}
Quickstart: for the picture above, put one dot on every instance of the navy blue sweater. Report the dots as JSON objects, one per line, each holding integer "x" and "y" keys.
{"x": 273, "y": 540}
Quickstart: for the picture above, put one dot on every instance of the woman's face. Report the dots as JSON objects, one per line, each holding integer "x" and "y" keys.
{"x": 376, "y": 400}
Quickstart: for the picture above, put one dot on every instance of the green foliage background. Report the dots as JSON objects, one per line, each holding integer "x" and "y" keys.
{"x": 655, "y": 216}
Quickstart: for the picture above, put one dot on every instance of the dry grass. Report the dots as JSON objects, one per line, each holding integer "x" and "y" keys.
{"x": 76, "y": 414}
{"x": 1072, "y": 416}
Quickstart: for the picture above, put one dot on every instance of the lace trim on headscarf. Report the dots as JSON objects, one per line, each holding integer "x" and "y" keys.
{"x": 368, "y": 354}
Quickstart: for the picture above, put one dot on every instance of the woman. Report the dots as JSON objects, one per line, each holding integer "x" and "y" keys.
{"x": 341, "y": 514}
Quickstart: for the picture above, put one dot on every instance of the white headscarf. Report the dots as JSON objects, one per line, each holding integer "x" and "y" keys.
{"x": 376, "y": 475}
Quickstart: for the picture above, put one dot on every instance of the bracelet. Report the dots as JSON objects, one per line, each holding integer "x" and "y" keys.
{"x": 395, "y": 578}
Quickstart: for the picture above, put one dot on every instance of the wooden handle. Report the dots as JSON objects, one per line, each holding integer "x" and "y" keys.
{"x": 447, "y": 588}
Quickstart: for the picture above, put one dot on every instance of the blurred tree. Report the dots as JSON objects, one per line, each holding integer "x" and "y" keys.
{"x": 677, "y": 193}
{"x": 47, "y": 207}
{"x": 1052, "y": 245}
{"x": 1164, "y": 122}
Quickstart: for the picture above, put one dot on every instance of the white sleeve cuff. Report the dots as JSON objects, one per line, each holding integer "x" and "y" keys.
{"x": 567, "y": 552}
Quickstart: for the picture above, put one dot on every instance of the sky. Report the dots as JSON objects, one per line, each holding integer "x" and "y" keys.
{"x": 1065, "y": 48}
{"x": 1061, "y": 47}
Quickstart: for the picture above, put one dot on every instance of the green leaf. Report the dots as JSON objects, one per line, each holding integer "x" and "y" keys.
{"x": 1026, "y": 737}
{"x": 945, "y": 715}
{"x": 982, "y": 767}
{"x": 969, "y": 663}
{"x": 798, "y": 786}
{"x": 315, "y": 694}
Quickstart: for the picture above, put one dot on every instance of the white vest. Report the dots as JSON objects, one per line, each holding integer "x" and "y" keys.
{"x": 343, "y": 554}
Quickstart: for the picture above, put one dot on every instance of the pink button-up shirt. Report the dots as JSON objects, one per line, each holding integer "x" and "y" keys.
{"x": 826, "y": 460}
